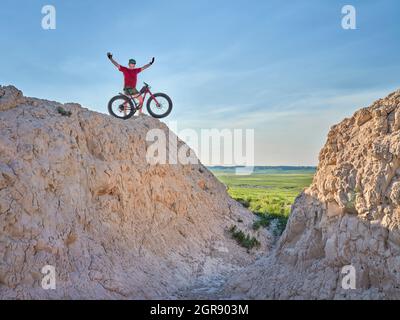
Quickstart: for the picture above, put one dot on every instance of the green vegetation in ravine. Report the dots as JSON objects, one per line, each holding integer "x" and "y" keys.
{"x": 268, "y": 195}
{"x": 243, "y": 239}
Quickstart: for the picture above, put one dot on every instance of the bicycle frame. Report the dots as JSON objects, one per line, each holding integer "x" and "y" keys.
{"x": 144, "y": 94}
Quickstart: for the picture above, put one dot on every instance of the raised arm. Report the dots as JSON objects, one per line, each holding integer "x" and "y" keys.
{"x": 115, "y": 63}
{"x": 148, "y": 65}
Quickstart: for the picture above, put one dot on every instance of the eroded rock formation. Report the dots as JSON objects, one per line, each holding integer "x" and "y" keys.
{"x": 77, "y": 193}
{"x": 349, "y": 216}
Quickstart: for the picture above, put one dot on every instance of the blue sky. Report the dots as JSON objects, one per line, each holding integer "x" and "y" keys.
{"x": 285, "y": 68}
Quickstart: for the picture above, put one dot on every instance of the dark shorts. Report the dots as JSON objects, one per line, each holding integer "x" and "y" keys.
{"x": 130, "y": 91}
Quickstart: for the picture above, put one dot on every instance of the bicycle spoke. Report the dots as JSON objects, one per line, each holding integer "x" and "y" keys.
{"x": 159, "y": 107}
{"x": 121, "y": 108}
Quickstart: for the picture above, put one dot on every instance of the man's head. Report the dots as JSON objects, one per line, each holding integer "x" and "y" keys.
{"x": 132, "y": 63}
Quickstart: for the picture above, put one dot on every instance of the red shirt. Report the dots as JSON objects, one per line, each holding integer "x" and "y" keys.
{"x": 130, "y": 76}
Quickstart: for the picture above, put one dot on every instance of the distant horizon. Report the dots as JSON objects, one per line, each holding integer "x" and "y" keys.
{"x": 261, "y": 166}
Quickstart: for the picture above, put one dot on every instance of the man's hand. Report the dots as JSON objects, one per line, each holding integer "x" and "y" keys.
{"x": 110, "y": 56}
{"x": 148, "y": 65}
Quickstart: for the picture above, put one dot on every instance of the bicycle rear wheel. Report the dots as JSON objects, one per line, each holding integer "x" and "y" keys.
{"x": 122, "y": 107}
{"x": 159, "y": 105}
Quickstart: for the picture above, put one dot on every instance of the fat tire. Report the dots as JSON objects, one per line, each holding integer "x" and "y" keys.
{"x": 129, "y": 115}
{"x": 165, "y": 114}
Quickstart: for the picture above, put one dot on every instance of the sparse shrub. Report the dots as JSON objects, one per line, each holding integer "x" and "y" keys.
{"x": 265, "y": 220}
{"x": 243, "y": 239}
{"x": 64, "y": 112}
{"x": 280, "y": 226}
{"x": 262, "y": 222}
{"x": 244, "y": 202}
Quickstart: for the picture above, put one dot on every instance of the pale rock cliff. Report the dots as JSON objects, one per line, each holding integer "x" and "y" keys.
{"x": 350, "y": 215}
{"x": 77, "y": 193}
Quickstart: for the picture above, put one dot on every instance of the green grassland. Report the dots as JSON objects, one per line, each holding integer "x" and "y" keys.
{"x": 268, "y": 193}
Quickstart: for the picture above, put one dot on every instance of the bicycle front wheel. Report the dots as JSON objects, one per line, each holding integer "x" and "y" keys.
{"x": 159, "y": 105}
{"x": 121, "y": 107}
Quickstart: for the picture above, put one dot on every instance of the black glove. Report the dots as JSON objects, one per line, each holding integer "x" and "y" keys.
{"x": 109, "y": 55}
{"x": 152, "y": 61}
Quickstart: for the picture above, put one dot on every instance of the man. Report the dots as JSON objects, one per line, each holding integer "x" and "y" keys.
{"x": 130, "y": 78}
